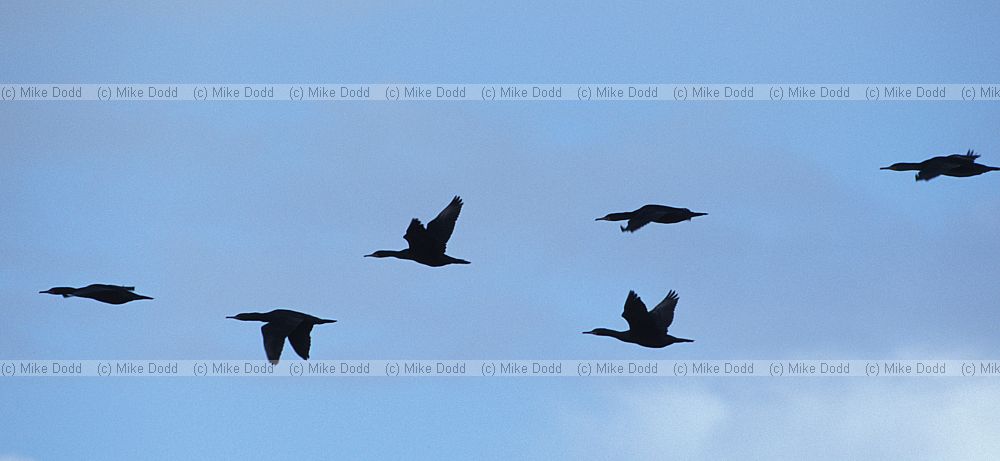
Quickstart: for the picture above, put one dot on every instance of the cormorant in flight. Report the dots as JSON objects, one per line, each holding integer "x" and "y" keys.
{"x": 651, "y": 213}
{"x": 647, "y": 329}
{"x": 111, "y": 294}
{"x": 281, "y": 324}
{"x": 427, "y": 246}
{"x": 957, "y": 165}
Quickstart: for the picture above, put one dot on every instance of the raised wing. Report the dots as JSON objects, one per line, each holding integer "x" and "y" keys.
{"x": 416, "y": 235}
{"x": 969, "y": 157}
{"x": 274, "y": 337}
{"x": 441, "y": 227}
{"x": 635, "y": 313}
{"x": 300, "y": 340}
{"x": 663, "y": 313}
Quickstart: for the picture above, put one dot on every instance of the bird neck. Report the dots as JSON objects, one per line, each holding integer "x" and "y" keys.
{"x": 620, "y": 335}
{"x": 401, "y": 254}
{"x": 905, "y": 166}
{"x": 251, "y": 316}
{"x": 616, "y": 216}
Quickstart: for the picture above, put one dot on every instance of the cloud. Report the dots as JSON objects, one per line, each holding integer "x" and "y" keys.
{"x": 848, "y": 418}
{"x": 15, "y": 458}
{"x": 647, "y": 423}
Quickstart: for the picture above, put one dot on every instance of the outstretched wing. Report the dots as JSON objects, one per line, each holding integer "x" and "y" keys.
{"x": 635, "y": 313}
{"x": 663, "y": 313}
{"x": 300, "y": 339}
{"x": 441, "y": 227}
{"x": 274, "y": 337}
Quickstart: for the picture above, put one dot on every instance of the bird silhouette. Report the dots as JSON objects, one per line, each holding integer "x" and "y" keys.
{"x": 111, "y": 294}
{"x": 956, "y": 165}
{"x": 427, "y": 245}
{"x": 647, "y": 329}
{"x": 651, "y": 213}
{"x": 281, "y": 324}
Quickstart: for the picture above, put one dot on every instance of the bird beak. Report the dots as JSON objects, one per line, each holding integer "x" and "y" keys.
{"x": 368, "y": 256}
{"x": 602, "y": 219}
{"x": 46, "y": 291}
{"x": 230, "y": 317}
{"x": 885, "y": 168}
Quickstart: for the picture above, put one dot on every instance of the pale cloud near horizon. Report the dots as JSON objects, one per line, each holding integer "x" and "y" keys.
{"x": 15, "y": 458}
{"x": 918, "y": 418}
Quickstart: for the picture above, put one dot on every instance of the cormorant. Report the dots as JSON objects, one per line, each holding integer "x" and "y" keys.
{"x": 651, "y": 213}
{"x": 957, "y": 165}
{"x": 111, "y": 294}
{"x": 281, "y": 324}
{"x": 427, "y": 246}
{"x": 647, "y": 329}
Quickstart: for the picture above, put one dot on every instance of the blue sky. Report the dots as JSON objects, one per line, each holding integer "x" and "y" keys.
{"x": 808, "y": 251}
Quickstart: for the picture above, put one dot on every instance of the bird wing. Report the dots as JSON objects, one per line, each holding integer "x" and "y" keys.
{"x": 635, "y": 313}
{"x": 300, "y": 339}
{"x": 968, "y": 157}
{"x": 441, "y": 227}
{"x": 417, "y": 236}
{"x": 926, "y": 175}
{"x": 95, "y": 289}
{"x": 937, "y": 166}
{"x": 274, "y": 337}
{"x": 637, "y": 222}
{"x": 663, "y": 313}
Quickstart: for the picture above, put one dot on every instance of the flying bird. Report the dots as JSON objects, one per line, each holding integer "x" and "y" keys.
{"x": 956, "y": 165}
{"x": 648, "y": 329}
{"x": 427, "y": 245}
{"x": 651, "y": 213}
{"x": 281, "y": 324}
{"x": 111, "y": 294}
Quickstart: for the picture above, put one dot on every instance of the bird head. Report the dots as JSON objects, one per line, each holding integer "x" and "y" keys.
{"x": 244, "y": 316}
{"x": 65, "y": 291}
{"x": 898, "y": 167}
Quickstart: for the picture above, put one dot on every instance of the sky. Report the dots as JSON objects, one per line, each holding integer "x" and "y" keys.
{"x": 809, "y": 251}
